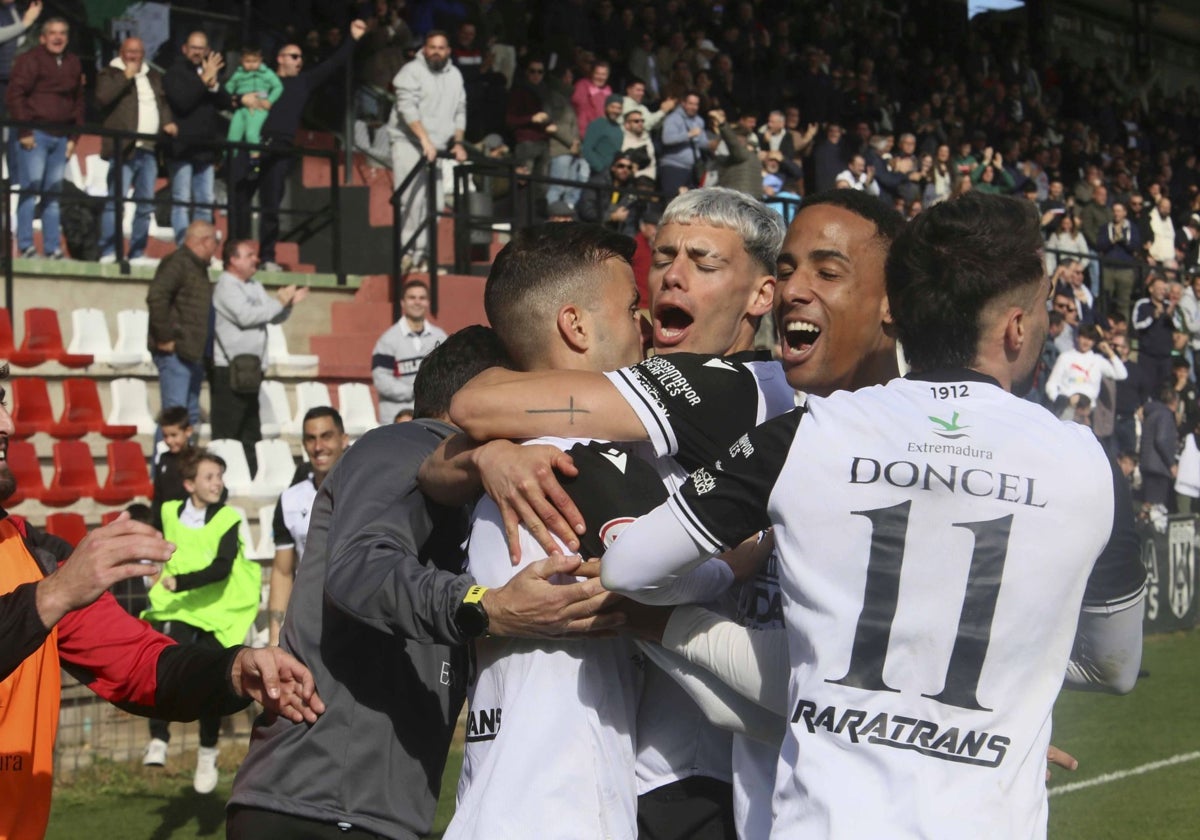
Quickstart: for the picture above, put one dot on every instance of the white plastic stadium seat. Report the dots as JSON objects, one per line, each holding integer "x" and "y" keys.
{"x": 357, "y": 408}
{"x": 273, "y": 409}
{"x": 276, "y": 466}
{"x": 266, "y": 539}
{"x": 244, "y": 532}
{"x": 308, "y": 395}
{"x": 237, "y": 468}
{"x": 278, "y": 355}
{"x": 133, "y": 331}
{"x": 89, "y": 334}
{"x": 130, "y": 405}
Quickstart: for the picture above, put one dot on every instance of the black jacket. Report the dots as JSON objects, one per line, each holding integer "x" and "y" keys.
{"x": 197, "y": 112}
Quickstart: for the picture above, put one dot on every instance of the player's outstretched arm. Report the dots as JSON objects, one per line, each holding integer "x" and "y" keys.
{"x": 521, "y": 479}
{"x": 104, "y": 557}
{"x": 501, "y": 403}
{"x": 651, "y": 552}
{"x": 1108, "y": 650}
{"x": 276, "y": 679}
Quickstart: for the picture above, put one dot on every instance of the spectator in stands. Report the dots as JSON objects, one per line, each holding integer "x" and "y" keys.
{"x": 1080, "y": 371}
{"x": 739, "y": 161}
{"x": 684, "y": 145}
{"x": 590, "y": 97}
{"x": 1187, "y": 316}
{"x": 1119, "y": 244}
{"x": 254, "y": 88}
{"x": 1154, "y": 321}
{"x": 243, "y": 310}
{"x": 13, "y": 25}
{"x": 178, "y": 303}
{"x": 279, "y": 132}
{"x": 207, "y": 594}
{"x": 324, "y": 438}
{"x": 1131, "y": 394}
{"x": 604, "y": 137}
{"x": 400, "y": 350}
{"x": 1188, "y": 245}
{"x": 637, "y": 142}
{"x": 858, "y": 176}
{"x": 1066, "y": 241}
{"x": 990, "y": 176}
{"x": 195, "y": 96}
{"x": 530, "y": 122}
{"x": 1067, "y": 280}
{"x": 130, "y": 95}
{"x": 46, "y": 86}
{"x": 566, "y": 163}
{"x": 1095, "y": 214}
{"x": 635, "y": 96}
{"x": 1160, "y": 248}
{"x": 430, "y": 117}
{"x": 1159, "y": 446}
{"x": 828, "y": 159}
{"x": 175, "y": 429}
{"x": 775, "y": 137}
{"x": 1064, "y": 304}
{"x": 610, "y": 198}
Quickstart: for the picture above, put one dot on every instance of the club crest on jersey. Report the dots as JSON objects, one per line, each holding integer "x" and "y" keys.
{"x": 613, "y": 528}
{"x": 949, "y": 429}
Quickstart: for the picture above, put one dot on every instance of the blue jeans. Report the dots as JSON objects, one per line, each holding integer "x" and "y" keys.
{"x": 140, "y": 169}
{"x": 568, "y": 168}
{"x": 40, "y": 169}
{"x": 179, "y": 383}
{"x": 190, "y": 182}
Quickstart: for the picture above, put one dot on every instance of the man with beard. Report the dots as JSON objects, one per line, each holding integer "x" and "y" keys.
{"x": 55, "y": 609}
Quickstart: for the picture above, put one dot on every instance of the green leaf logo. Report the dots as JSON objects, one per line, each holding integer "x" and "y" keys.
{"x": 949, "y": 428}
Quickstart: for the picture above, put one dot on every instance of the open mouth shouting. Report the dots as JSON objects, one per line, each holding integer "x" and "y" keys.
{"x": 671, "y": 325}
{"x": 799, "y": 339}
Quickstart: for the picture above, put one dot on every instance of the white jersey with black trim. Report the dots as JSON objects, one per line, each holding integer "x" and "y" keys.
{"x": 692, "y": 406}
{"x": 550, "y": 738}
{"x": 290, "y": 526}
{"x": 938, "y": 538}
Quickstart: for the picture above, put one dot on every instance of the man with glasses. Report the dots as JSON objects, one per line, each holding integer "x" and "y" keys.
{"x": 609, "y": 198}
{"x": 1064, "y": 304}
{"x": 194, "y": 93}
{"x": 279, "y": 135}
{"x": 640, "y": 147}
{"x": 527, "y": 117}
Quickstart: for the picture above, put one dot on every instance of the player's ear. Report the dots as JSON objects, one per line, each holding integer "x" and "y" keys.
{"x": 573, "y": 327}
{"x": 885, "y": 312}
{"x": 762, "y": 296}
{"x": 1016, "y": 331}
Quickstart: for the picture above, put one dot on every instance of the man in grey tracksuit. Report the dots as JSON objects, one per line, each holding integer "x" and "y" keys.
{"x": 430, "y": 117}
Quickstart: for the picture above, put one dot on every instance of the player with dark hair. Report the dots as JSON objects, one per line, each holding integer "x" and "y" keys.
{"x": 934, "y": 566}
{"x": 380, "y": 612}
{"x": 324, "y": 438}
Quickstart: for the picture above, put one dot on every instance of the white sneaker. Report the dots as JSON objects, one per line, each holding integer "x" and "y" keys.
{"x": 107, "y": 259}
{"x": 270, "y": 266}
{"x": 205, "y": 780}
{"x": 155, "y": 754}
{"x": 146, "y": 261}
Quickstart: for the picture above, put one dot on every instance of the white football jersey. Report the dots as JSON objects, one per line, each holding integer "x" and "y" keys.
{"x": 691, "y": 406}
{"x": 937, "y": 538}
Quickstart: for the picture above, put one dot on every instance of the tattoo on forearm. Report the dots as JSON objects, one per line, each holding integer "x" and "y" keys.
{"x": 276, "y": 616}
{"x": 570, "y": 410}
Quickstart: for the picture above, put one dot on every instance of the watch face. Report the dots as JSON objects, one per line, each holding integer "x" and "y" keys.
{"x": 471, "y": 619}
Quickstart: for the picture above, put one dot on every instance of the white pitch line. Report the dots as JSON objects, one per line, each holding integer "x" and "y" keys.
{"x": 1182, "y": 758}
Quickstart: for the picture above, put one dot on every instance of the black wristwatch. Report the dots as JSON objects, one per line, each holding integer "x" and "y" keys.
{"x": 471, "y": 618}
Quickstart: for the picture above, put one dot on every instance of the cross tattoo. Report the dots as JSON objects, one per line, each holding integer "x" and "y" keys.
{"x": 569, "y": 410}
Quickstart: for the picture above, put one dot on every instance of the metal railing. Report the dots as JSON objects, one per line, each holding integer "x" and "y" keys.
{"x": 233, "y": 155}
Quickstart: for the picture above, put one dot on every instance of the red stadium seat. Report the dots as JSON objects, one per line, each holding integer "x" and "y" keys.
{"x": 74, "y": 474}
{"x": 19, "y": 358}
{"x": 128, "y": 475}
{"x": 69, "y": 526}
{"x": 42, "y": 335}
{"x": 26, "y": 471}
{"x": 82, "y": 413}
{"x": 31, "y": 407}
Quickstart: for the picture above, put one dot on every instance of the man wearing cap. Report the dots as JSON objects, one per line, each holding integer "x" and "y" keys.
{"x": 604, "y": 136}
{"x": 609, "y": 198}
{"x": 636, "y": 141}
